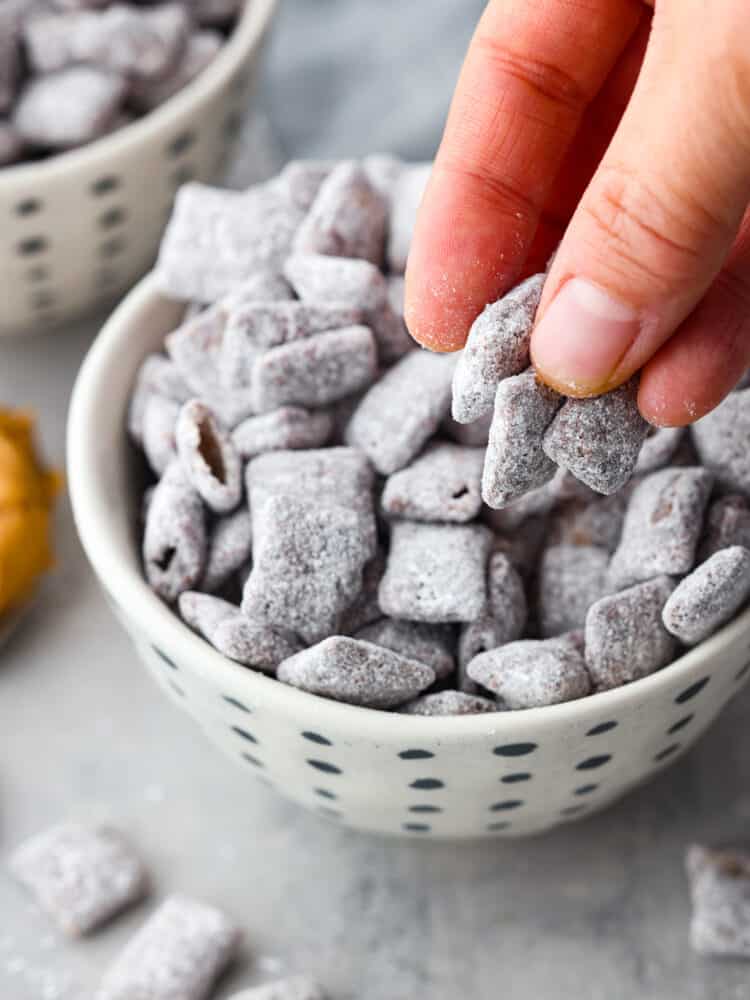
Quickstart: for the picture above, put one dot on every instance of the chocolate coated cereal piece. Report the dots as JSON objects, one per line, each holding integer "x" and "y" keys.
{"x": 571, "y": 578}
{"x": 364, "y": 609}
{"x": 347, "y": 218}
{"x": 598, "y": 522}
{"x": 599, "y": 439}
{"x": 532, "y": 673}
{"x": 497, "y": 347}
{"x": 289, "y": 427}
{"x": 174, "y": 540}
{"x": 195, "y": 348}
{"x": 727, "y": 523}
{"x": 506, "y": 599}
{"x": 159, "y": 422}
{"x": 157, "y": 375}
{"x": 658, "y": 449}
{"x": 535, "y": 503}
{"x": 450, "y": 703}
{"x": 261, "y": 325}
{"x": 402, "y": 410}
{"x": 229, "y": 548}
{"x": 477, "y": 637}
{"x": 315, "y": 371}
{"x": 662, "y": 525}
{"x": 443, "y": 484}
{"x": 294, "y": 988}
{"x": 473, "y": 435}
{"x": 405, "y": 198}
{"x": 430, "y": 644}
{"x": 11, "y": 144}
{"x": 356, "y": 672}
{"x": 216, "y": 12}
{"x": 515, "y": 462}
{"x": 80, "y": 876}
{"x": 176, "y": 955}
{"x": 201, "y": 49}
{"x": 203, "y": 612}
{"x": 436, "y": 572}
{"x": 68, "y": 108}
{"x": 709, "y": 597}
{"x": 301, "y": 179}
{"x": 254, "y": 644}
{"x": 307, "y": 563}
{"x": 721, "y": 440}
{"x": 263, "y": 286}
{"x": 625, "y": 636}
{"x": 208, "y": 457}
{"x": 720, "y": 893}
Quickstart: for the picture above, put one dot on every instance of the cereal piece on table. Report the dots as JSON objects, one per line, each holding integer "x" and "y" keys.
{"x": 293, "y": 988}
{"x": 201, "y": 49}
{"x": 356, "y": 672}
{"x": 174, "y": 540}
{"x": 532, "y": 673}
{"x": 497, "y": 347}
{"x": 383, "y": 172}
{"x": 430, "y": 644}
{"x": 598, "y": 522}
{"x": 203, "y": 612}
{"x": 80, "y": 876}
{"x": 506, "y": 599}
{"x": 658, "y": 449}
{"x": 515, "y": 462}
{"x": 315, "y": 371}
{"x": 450, "y": 703}
{"x": 216, "y": 239}
{"x": 436, "y": 572}
{"x": 208, "y": 456}
{"x": 254, "y": 644}
{"x": 405, "y": 198}
{"x": 307, "y": 563}
{"x": 721, "y": 440}
{"x": 473, "y": 435}
{"x": 157, "y": 375}
{"x": 347, "y": 218}
{"x": 709, "y": 597}
{"x": 159, "y": 422}
{"x": 599, "y": 439}
{"x": 402, "y": 410}
{"x": 11, "y": 144}
{"x": 443, "y": 484}
{"x": 625, "y": 635}
{"x": 178, "y": 954}
{"x": 68, "y": 108}
{"x": 662, "y": 525}
{"x": 571, "y": 579}
{"x": 719, "y": 881}
{"x": 229, "y": 548}
{"x": 289, "y": 427}
{"x": 301, "y": 179}
{"x": 727, "y": 523}
{"x": 364, "y": 609}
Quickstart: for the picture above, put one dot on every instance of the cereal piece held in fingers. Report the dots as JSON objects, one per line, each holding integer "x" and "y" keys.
{"x": 450, "y": 703}
{"x": 436, "y": 572}
{"x": 405, "y": 198}
{"x": 497, "y": 347}
{"x": 662, "y": 526}
{"x": 727, "y": 523}
{"x": 347, "y": 218}
{"x": 289, "y": 427}
{"x": 719, "y": 881}
{"x": 532, "y": 673}
{"x": 254, "y": 644}
{"x": 356, "y": 672}
{"x": 401, "y": 411}
{"x": 208, "y": 457}
{"x": 658, "y": 449}
{"x": 294, "y": 988}
{"x": 264, "y": 286}
{"x": 443, "y": 484}
{"x": 515, "y": 462}
{"x": 80, "y": 876}
{"x": 229, "y": 548}
{"x": 625, "y": 635}
{"x": 178, "y": 953}
{"x": 203, "y": 612}
{"x": 174, "y": 540}
{"x": 430, "y": 644}
{"x": 599, "y": 439}
{"x": 159, "y": 422}
{"x": 709, "y": 597}
{"x": 571, "y": 578}
{"x": 721, "y": 438}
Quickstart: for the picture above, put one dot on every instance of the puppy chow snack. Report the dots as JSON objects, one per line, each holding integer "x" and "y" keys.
{"x": 229, "y": 545}
{"x": 719, "y": 880}
{"x": 200, "y": 49}
{"x": 710, "y": 596}
{"x": 450, "y": 703}
{"x": 430, "y": 644}
{"x": 570, "y": 579}
{"x": 174, "y": 539}
{"x": 727, "y": 523}
{"x": 443, "y": 484}
{"x": 178, "y": 953}
{"x": 720, "y": 438}
{"x": 283, "y": 429}
{"x": 293, "y": 988}
{"x": 80, "y": 876}
{"x": 208, "y": 457}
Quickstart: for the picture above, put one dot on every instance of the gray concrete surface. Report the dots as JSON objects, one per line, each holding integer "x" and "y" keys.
{"x": 595, "y": 911}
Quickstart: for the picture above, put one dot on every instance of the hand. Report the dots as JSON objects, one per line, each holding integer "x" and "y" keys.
{"x": 625, "y": 132}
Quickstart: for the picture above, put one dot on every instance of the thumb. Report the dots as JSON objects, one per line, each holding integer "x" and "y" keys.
{"x": 660, "y": 214}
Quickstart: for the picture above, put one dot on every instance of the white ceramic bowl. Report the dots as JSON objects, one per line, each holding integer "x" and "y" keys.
{"x": 79, "y": 228}
{"x": 502, "y": 774}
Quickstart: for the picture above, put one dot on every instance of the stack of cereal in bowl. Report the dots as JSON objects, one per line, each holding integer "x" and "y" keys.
{"x": 421, "y": 593}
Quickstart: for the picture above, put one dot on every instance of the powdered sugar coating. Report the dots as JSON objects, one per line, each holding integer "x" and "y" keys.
{"x": 571, "y": 579}
{"x": 450, "y": 703}
{"x": 208, "y": 457}
{"x": 532, "y": 673}
{"x": 430, "y": 644}
{"x": 176, "y": 955}
{"x": 204, "y": 612}
{"x": 497, "y": 347}
{"x": 597, "y": 522}
{"x": 406, "y": 194}
{"x": 506, "y": 598}
{"x": 288, "y": 427}
{"x": 174, "y": 540}
{"x": 158, "y": 431}
{"x": 515, "y": 462}
{"x": 293, "y": 988}
{"x": 81, "y": 876}
{"x": 721, "y": 438}
{"x": 157, "y": 375}
{"x": 727, "y": 523}
{"x": 709, "y": 597}
{"x": 253, "y": 643}
{"x": 357, "y": 672}
{"x": 229, "y": 548}
{"x": 442, "y": 484}
{"x": 720, "y": 894}
{"x": 625, "y": 636}
{"x": 301, "y": 180}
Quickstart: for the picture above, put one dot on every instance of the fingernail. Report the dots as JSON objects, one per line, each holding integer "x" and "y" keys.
{"x": 582, "y": 337}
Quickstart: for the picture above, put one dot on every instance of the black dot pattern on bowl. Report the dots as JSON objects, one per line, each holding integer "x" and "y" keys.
{"x": 691, "y": 691}
{"x": 585, "y": 789}
{"x": 501, "y": 825}
{"x": 251, "y": 759}
{"x": 325, "y": 793}
{"x": 181, "y": 143}
{"x": 317, "y": 738}
{"x": 416, "y": 754}
{"x": 603, "y": 727}
{"x": 680, "y": 724}
{"x": 593, "y": 762}
{"x": 743, "y": 673}
{"x": 32, "y": 245}
{"x": 506, "y": 805}
{"x": 422, "y": 807}
{"x": 427, "y": 784}
{"x": 112, "y": 217}
{"x": 244, "y": 734}
{"x": 113, "y": 247}
{"x": 666, "y": 752}
{"x": 177, "y": 689}
{"x": 572, "y": 810}
{"x": 416, "y": 827}
{"x": 105, "y": 185}
{"x": 515, "y": 749}
{"x": 324, "y": 765}
{"x": 165, "y": 658}
{"x": 37, "y": 273}
{"x": 236, "y": 703}
{"x": 29, "y": 206}
{"x": 514, "y": 779}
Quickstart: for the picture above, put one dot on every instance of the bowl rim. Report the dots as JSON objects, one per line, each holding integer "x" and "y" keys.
{"x": 92, "y": 511}
{"x": 248, "y": 31}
